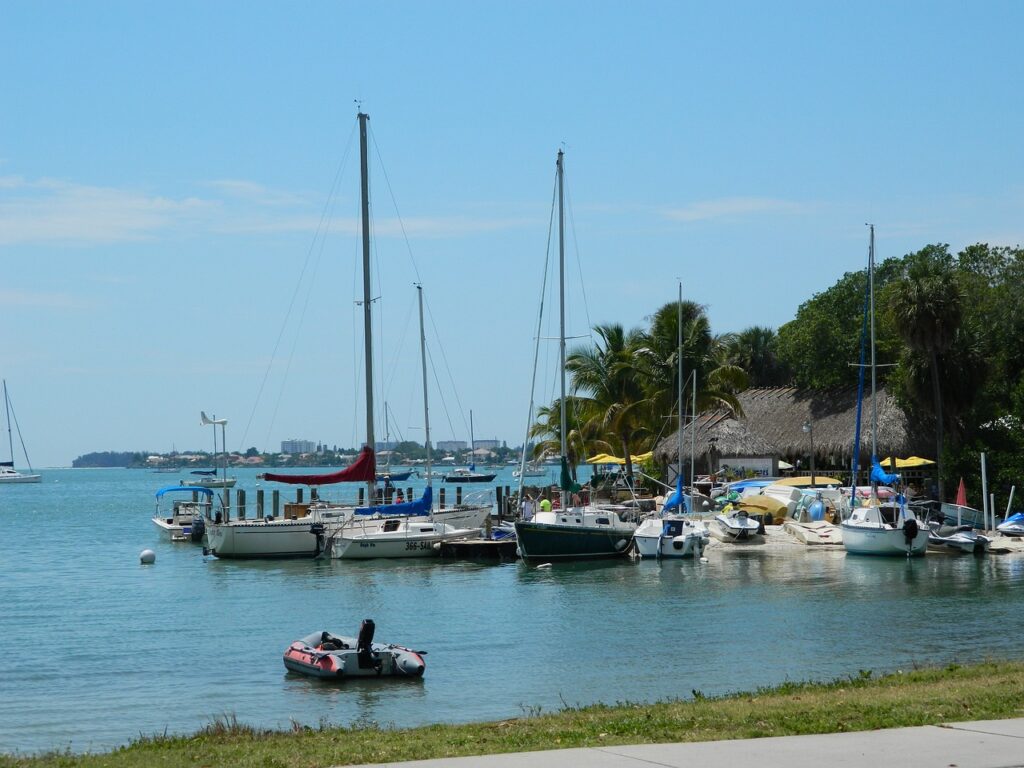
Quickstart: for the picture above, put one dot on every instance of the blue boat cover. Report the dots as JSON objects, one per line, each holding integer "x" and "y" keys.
{"x": 173, "y": 488}
{"x": 419, "y": 507}
{"x": 677, "y": 498}
{"x": 880, "y": 476}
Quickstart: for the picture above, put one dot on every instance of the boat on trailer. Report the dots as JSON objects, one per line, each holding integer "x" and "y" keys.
{"x": 334, "y": 657}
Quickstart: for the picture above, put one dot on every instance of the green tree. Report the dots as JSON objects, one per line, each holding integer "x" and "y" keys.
{"x": 547, "y": 430}
{"x": 926, "y": 305}
{"x": 755, "y": 350}
{"x": 607, "y": 382}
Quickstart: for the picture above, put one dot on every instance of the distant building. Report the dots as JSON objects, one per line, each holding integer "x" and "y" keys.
{"x": 489, "y": 444}
{"x": 386, "y": 445}
{"x": 298, "y": 446}
{"x": 451, "y": 445}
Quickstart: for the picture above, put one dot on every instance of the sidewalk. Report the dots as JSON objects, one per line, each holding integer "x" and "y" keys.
{"x": 982, "y": 744}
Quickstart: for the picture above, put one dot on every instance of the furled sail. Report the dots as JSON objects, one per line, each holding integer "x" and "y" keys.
{"x": 363, "y": 469}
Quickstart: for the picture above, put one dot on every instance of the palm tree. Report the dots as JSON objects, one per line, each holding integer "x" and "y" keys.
{"x": 548, "y": 427}
{"x": 613, "y": 399}
{"x": 927, "y": 307}
{"x": 718, "y": 380}
{"x": 755, "y": 350}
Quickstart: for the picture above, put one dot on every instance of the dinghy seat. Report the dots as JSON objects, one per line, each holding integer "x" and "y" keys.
{"x": 364, "y": 647}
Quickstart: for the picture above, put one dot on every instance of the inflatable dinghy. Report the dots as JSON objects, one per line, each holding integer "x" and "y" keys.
{"x": 324, "y": 655}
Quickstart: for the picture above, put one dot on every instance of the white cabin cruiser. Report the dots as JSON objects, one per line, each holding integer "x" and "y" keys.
{"x": 395, "y": 537}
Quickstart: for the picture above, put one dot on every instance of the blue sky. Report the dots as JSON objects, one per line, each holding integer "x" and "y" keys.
{"x": 164, "y": 168}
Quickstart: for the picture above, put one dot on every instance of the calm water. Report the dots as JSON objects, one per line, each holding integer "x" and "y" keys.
{"x": 99, "y": 649}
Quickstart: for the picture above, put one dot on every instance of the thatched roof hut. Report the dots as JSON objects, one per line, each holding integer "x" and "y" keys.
{"x": 772, "y": 426}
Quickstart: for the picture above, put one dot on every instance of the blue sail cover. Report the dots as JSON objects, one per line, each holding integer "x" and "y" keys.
{"x": 880, "y": 476}
{"x": 419, "y": 507}
{"x": 173, "y": 488}
{"x": 677, "y": 497}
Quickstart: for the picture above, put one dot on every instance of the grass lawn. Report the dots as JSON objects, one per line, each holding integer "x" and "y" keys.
{"x": 917, "y": 697}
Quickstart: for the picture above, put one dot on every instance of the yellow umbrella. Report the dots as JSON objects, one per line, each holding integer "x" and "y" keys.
{"x": 604, "y": 458}
{"x": 911, "y": 462}
{"x": 803, "y": 482}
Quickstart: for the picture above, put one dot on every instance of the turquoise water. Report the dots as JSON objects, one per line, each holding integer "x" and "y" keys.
{"x": 99, "y": 649}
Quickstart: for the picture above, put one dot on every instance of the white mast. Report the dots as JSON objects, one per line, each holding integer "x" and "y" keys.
{"x": 423, "y": 362}
{"x": 679, "y": 375}
{"x": 871, "y": 293}
{"x": 561, "y": 302}
{"x": 371, "y": 484}
{"x": 7, "y": 411}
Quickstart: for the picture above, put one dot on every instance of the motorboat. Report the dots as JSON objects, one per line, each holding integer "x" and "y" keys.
{"x": 734, "y": 524}
{"x": 186, "y": 519}
{"x": 395, "y": 537}
{"x": 328, "y": 656}
{"x": 530, "y": 470}
{"x": 670, "y": 536}
{"x": 884, "y": 529}
{"x": 391, "y": 476}
{"x": 958, "y": 538}
{"x": 468, "y": 475}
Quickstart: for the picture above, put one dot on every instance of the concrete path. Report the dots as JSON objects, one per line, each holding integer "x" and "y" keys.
{"x": 983, "y": 744}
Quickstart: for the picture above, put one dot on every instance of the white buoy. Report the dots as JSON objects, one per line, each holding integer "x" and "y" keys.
{"x": 147, "y": 557}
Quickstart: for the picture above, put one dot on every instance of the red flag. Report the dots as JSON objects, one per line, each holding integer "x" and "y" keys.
{"x": 961, "y": 494}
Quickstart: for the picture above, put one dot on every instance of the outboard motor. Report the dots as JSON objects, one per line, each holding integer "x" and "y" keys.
{"x": 198, "y": 528}
{"x": 364, "y": 646}
{"x": 910, "y": 531}
{"x": 317, "y": 529}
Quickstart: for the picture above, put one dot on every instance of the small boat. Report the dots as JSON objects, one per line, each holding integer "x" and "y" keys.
{"x": 959, "y": 538}
{"x": 670, "y": 536}
{"x": 468, "y": 475}
{"x": 8, "y": 474}
{"x": 531, "y": 470}
{"x": 208, "y": 479}
{"x": 186, "y": 520}
{"x": 394, "y": 477}
{"x": 1013, "y": 525}
{"x": 734, "y": 524}
{"x": 886, "y": 529}
{"x": 324, "y": 655}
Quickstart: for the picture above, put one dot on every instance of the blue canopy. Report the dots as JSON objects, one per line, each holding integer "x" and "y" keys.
{"x": 754, "y": 482}
{"x": 419, "y": 507}
{"x": 173, "y": 488}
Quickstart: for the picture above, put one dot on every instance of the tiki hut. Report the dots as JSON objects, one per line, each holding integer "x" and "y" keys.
{"x": 772, "y": 426}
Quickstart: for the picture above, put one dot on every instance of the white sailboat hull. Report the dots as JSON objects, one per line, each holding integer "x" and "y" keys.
{"x": 409, "y": 539}
{"x": 17, "y": 477}
{"x": 670, "y": 537}
{"x": 864, "y": 540}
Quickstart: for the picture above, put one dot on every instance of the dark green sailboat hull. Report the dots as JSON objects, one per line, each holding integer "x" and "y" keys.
{"x": 570, "y": 542}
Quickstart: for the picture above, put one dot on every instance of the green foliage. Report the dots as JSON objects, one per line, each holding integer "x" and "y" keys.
{"x": 756, "y": 351}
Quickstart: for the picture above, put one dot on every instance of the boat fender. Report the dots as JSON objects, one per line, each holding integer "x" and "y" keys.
{"x": 910, "y": 530}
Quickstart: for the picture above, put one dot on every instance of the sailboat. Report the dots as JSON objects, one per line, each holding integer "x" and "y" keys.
{"x": 877, "y": 528}
{"x": 673, "y": 535}
{"x": 469, "y": 474}
{"x": 411, "y": 535}
{"x": 8, "y": 474}
{"x": 577, "y": 531}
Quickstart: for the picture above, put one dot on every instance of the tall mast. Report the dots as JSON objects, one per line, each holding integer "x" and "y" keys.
{"x": 693, "y": 436}
{"x": 472, "y": 443}
{"x": 7, "y": 412}
{"x": 679, "y": 376}
{"x": 423, "y": 362}
{"x": 371, "y": 484}
{"x": 874, "y": 396}
{"x": 561, "y": 305}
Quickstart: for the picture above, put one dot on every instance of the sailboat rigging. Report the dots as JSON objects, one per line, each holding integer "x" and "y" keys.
{"x": 876, "y": 528}
{"x": 8, "y": 474}
{"x": 580, "y": 531}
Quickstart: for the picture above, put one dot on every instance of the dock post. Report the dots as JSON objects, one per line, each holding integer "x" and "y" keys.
{"x": 276, "y": 496}
{"x": 362, "y": 496}
{"x": 498, "y": 498}
{"x": 441, "y": 499}
{"x": 458, "y": 496}
{"x": 259, "y": 503}
{"x": 380, "y": 496}
{"x": 241, "y": 503}
{"x": 408, "y": 493}
{"x": 195, "y": 497}
{"x": 298, "y": 495}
